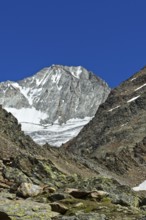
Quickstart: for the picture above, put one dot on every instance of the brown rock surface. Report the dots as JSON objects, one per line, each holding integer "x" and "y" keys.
{"x": 114, "y": 141}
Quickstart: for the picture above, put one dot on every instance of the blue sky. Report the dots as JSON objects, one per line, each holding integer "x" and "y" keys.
{"x": 106, "y": 37}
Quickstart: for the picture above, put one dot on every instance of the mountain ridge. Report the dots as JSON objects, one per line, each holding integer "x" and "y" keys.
{"x": 117, "y": 131}
{"x": 66, "y": 97}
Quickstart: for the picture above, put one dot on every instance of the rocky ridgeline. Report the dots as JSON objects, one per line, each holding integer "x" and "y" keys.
{"x": 115, "y": 137}
{"x": 60, "y": 91}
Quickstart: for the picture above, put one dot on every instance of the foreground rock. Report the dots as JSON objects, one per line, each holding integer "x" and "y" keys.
{"x": 92, "y": 216}
{"x": 82, "y": 194}
{"x": 58, "y": 207}
{"x": 26, "y": 210}
{"x": 29, "y": 190}
{"x": 119, "y": 203}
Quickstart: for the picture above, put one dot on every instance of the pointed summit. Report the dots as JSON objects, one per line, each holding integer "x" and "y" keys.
{"x": 62, "y": 96}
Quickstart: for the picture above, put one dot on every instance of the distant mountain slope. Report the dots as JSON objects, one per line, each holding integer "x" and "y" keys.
{"x": 116, "y": 136}
{"x": 54, "y": 104}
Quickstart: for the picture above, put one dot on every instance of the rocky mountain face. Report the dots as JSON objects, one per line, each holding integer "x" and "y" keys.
{"x": 116, "y": 137}
{"x": 55, "y": 103}
{"x": 34, "y": 185}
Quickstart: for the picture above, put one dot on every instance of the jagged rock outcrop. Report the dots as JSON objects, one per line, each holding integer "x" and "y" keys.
{"x": 54, "y": 104}
{"x": 115, "y": 137}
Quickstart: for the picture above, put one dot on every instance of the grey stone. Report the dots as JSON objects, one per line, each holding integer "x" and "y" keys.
{"x": 86, "y": 216}
{"x": 58, "y": 196}
{"x": 29, "y": 190}
{"x": 58, "y": 207}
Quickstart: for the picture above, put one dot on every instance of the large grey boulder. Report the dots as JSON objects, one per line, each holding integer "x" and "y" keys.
{"x": 29, "y": 190}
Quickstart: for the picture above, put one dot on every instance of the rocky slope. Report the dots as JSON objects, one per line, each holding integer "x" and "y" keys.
{"x": 116, "y": 137}
{"x": 55, "y": 103}
{"x": 34, "y": 186}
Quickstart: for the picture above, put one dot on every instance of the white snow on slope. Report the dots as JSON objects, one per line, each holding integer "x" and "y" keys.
{"x": 56, "y": 77}
{"x": 133, "y": 79}
{"x": 27, "y": 115}
{"x": 140, "y": 87}
{"x": 76, "y": 73}
{"x": 55, "y": 134}
{"x": 45, "y": 77}
{"x": 24, "y": 91}
{"x": 134, "y": 98}
{"x": 113, "y": 108}
{"x": 124, "y": 124}
{"x": 141, "y": 187}
{"x": 27, "y": 92}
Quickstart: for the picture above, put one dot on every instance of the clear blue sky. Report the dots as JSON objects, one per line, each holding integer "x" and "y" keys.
{"x": 107, "y": 37}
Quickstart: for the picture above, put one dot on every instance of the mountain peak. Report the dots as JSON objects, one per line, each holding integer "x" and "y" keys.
{"x": 66, "y": 97}
{"x": 74, "y": 71}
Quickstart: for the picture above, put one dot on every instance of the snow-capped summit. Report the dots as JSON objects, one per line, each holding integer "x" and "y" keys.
{"x": 55, "y": 103}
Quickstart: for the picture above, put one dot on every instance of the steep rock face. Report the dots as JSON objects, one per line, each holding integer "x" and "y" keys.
{"x": 12, "y": 139}
{"x": 115, "y": 137}
{"x": 66, "y": 97}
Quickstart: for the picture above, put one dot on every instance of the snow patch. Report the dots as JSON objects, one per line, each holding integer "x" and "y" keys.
{"x": 24, "y": 91}
{"x": 124, "y": 124}
{"x": 134, "y": 98}
{"x": 133, "y": 79}
{"x": 27, "y": 115}
{"x": 15, "y": 85}
{"x": 77, "y": 73}
{"x": 55, "y": 134}
{"x": 56, "y": 77}
{"x": 45, "y": 77}
{"x": 141, "y": 187}
{"x": 114, "y": 108}
{"x": 28, "y": 93}
{"x": 140, "y": 87}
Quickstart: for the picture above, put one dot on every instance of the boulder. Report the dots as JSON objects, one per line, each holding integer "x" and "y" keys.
{"x": 49, "y": 189}
{"x": 15, "y": 175}
{"x": 58, "y": 196}
{"x": 29, "y": 190}
{"x": 58, "y": 207}
{"x": 26, "y": 210}
{"x": 98, "y": 194}
{"x": 76, "y": 193}
{"x": 84, "y": 216}
{"x": 82, "y": 194}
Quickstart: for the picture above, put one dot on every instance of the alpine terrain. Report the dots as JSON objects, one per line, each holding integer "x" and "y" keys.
{"x": 115, "y": 138}
{"x": 54, "y": 104}
{"x": 98, "y": 175}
